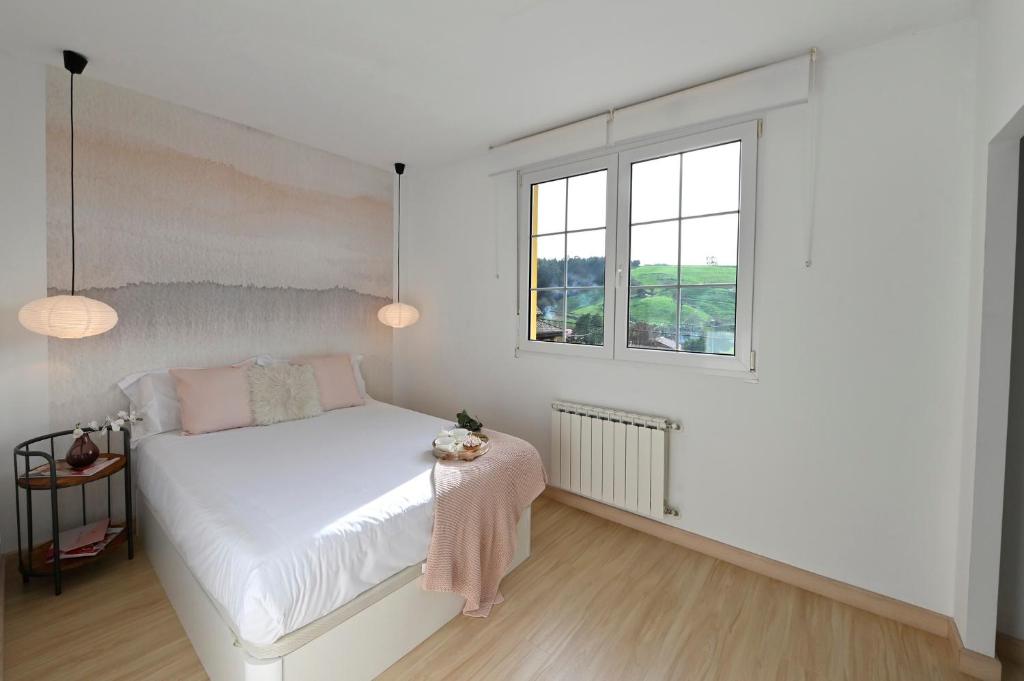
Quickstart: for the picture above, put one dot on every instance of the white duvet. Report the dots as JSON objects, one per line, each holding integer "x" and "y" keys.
{"x": 283, "y": 524}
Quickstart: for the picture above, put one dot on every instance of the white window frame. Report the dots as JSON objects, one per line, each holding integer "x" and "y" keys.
{"x": 746, "y": 134}
{"x": 527, "y": 180}
{"x": 618, "y": 163}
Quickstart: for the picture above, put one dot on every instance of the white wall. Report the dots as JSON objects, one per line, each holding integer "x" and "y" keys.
{"x": 1000, "y": 98}
{"x": 24, "y": 393}
{"x": 843, "y": 459}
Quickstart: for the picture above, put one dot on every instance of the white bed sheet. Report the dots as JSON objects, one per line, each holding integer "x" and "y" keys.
{"x": 283, "y": 524}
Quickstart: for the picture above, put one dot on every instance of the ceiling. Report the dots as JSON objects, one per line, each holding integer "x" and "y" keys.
{"x": 431, "y": 81}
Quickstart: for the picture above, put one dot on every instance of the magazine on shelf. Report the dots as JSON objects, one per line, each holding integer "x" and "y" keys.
{"x": 77, "y": 537}
{"x": 66, "y": 471}
{"x": 86, "y": 550}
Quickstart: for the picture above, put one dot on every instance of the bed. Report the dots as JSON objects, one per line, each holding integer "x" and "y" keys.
{"x": 293, "y": 551}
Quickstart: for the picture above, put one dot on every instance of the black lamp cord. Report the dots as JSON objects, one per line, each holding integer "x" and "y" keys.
{"x": 72, "y": 184}
{"x": 398, "y": 264}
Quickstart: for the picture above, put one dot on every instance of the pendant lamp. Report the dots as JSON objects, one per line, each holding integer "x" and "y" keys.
{"x": 70, "y": 316}
{"x": 398, "y": 315}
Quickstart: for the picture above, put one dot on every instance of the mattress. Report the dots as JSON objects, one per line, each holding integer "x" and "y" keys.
{"x": 283, "y": 524}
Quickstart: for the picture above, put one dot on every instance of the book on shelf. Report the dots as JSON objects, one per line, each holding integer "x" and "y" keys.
{"x": 77, "y": 549}
{"x": 66, "y": 471}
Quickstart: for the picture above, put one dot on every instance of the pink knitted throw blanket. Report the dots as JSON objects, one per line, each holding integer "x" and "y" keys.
{"x": 477, "y": 505}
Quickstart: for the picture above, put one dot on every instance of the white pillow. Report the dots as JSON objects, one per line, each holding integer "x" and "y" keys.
{"x": 357, "y": 369}
{"x": 152, "y": 395}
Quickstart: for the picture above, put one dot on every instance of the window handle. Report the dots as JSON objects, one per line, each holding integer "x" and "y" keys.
{"x": 618, "y": 278}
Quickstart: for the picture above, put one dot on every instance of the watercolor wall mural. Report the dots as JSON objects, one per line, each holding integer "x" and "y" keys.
{"x": 213, "y": 241}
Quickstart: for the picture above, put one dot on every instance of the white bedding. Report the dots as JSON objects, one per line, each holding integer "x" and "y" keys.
{"x": 284, "y": 523}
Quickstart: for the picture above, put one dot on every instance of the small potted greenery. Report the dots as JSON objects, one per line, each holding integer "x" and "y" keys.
{"x": 468, "y": 422}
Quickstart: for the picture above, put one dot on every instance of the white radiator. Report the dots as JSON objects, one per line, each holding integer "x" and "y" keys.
{"x": 616, "y": 457}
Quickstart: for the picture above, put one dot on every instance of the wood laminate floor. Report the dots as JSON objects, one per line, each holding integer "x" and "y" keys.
{"x": 595, "y": 601}
{"x": 112, "y": 623}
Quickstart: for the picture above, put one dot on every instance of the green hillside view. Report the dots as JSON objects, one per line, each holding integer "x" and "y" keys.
{"x": 707, "y": 309}
{"x": 655, "y": 275}
{"x": 657, "y": 306}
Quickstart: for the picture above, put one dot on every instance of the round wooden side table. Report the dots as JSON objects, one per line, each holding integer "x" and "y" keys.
{"x": 43, "y": 448}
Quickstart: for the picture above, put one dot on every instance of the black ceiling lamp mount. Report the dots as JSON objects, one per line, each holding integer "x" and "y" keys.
{"x": 75, "y": 62}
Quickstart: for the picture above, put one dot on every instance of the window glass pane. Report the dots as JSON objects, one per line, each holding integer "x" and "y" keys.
{"x": 707, "y": 319}
{"x": 585, "y": 266}
{"x": 711, "y": 180}
{"x": 549, "y": 207}
{"x": 708, "y": 249}
{"x": 548, "y": 268}
{"x": 548, "y": 312}
{"x": 652, "y": 318}
{"x": 654, "y": 254}
{"x": 587, "y": 200}
{"x": 655, "y": 190}
{"x": 584, "y": 315}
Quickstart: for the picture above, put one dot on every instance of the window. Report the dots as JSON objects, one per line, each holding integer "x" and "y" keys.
{"x": 646, "y": 254}
{"x": 568, "y": 265}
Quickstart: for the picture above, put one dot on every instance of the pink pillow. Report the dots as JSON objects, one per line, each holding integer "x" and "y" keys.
{"x": 213, "y": 399}
{"x": 335, "y": 380}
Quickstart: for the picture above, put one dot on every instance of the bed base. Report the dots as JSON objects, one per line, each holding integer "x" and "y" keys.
{"x": 357, "y": 649}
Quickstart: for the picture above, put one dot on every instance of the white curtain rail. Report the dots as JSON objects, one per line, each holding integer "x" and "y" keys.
{"x": 609, "y": 113}
{"x": 615, "y": 415}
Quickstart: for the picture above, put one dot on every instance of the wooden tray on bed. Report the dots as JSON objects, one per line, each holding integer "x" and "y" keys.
{"x": 462, "y": 454}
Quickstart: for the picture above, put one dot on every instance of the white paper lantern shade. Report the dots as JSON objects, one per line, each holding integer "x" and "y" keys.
{"x": 67, "y": 316}
{"x": 398, "y": 315}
